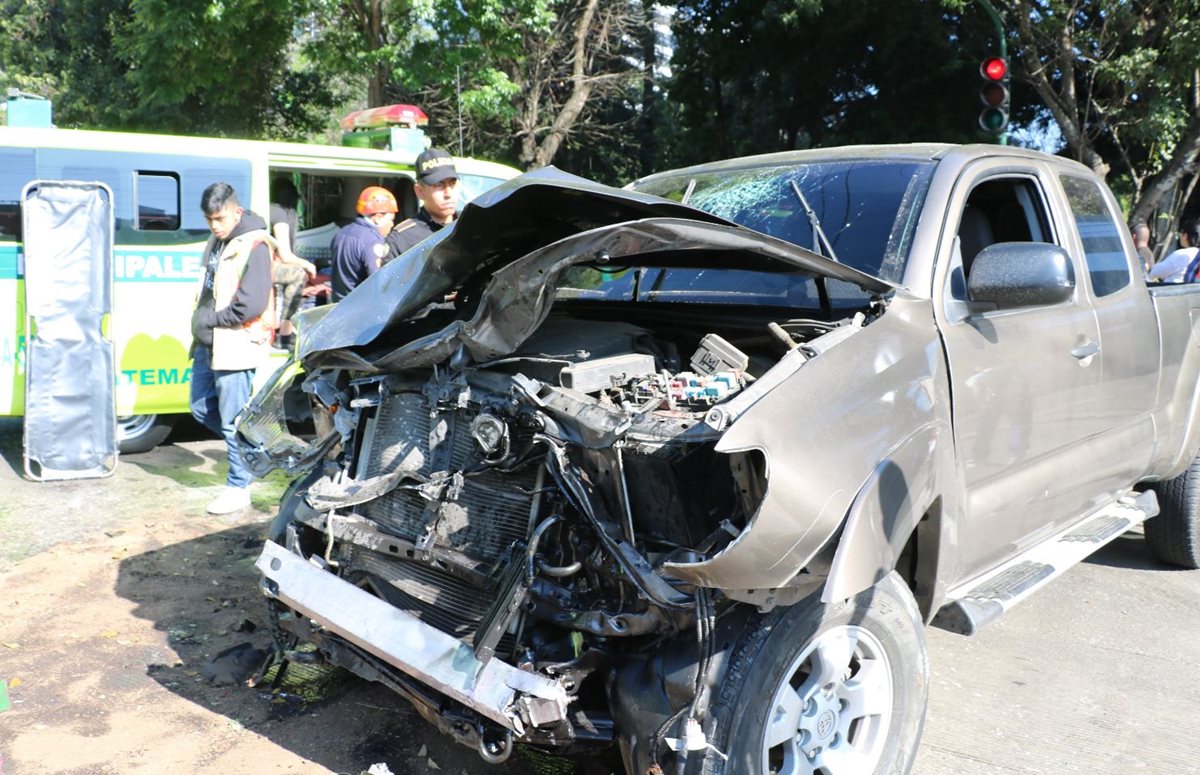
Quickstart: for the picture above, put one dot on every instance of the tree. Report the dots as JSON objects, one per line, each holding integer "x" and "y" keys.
{"x": 1120, "y": 80}
{"x": 219, "y": 68}
{"x": 25, "y": 62}
{"x": 562, "y": 71}
{"x": 369, "y": 39}
{"x": 752, "y": 76}
{"x": 526, "y": 75}
{"x": 210, "y": 67}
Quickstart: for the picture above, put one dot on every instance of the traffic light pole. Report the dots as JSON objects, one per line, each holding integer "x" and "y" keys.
{"x": 987, "y": 6}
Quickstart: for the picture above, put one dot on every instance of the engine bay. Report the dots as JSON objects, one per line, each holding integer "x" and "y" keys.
{"x": 530, "y": 507}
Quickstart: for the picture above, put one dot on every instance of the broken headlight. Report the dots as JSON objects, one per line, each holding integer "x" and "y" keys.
{"x": 270, "y": 426}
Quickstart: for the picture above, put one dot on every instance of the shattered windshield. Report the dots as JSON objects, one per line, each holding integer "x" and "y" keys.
{"x": 796, "y": 290}
{"x": 867, "y": 208}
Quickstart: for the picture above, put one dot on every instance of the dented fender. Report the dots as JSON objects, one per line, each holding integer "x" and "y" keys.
{"x": 899, "y": 494}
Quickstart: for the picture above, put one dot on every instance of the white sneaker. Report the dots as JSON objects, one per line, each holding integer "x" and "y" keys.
{"x": 230, "y": 500}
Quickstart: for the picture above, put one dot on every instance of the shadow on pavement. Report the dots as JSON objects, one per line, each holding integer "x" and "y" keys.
{"x": 204, "y": 595}
{"x": 1129, "y": 551}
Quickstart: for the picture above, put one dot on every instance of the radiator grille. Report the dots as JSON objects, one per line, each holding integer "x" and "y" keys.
{"x": 435, "y": 597}
{"x": 490, "y": 513}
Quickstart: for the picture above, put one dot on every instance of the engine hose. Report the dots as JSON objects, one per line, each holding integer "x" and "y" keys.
{"x": 534, "y": 540}
{"x": 558, "y": 571}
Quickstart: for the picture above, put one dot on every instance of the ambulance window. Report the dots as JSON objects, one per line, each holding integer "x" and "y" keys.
{"x": 157, "y": 197}
{"x": 471, "y": 186}
{"x": 16, "y": 169}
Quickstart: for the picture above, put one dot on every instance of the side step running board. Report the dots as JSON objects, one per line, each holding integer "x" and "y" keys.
{"x": 985, "y": 599}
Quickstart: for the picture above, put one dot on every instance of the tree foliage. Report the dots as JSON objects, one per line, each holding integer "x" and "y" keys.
{"x": 1120, "y": 80}
{"x": 598, "y": 86}
{"x": 767, "y": 75}
{"x": 219, "y": 67}
{"x": 524, "y": 75}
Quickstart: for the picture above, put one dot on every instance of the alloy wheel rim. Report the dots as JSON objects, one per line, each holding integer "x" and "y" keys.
{"x": 832, "y": 710}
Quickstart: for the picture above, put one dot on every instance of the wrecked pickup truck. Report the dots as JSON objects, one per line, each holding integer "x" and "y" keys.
{"x": 676, "y": 475}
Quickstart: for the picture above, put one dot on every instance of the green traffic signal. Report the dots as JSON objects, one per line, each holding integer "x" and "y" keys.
{"x": 993, "y": 120}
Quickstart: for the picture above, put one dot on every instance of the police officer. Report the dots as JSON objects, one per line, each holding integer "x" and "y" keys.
{"x": 437, "y": 188}
{"x": 358, "y": 248}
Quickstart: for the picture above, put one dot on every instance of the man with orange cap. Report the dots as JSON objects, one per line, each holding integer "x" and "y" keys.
{"x": 359, "y": 248}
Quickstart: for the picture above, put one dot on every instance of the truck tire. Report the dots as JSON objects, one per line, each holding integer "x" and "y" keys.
{"x": 836, "y": 689}
{"x": 1174, "y": 535}
{"x": 142, "y": 432}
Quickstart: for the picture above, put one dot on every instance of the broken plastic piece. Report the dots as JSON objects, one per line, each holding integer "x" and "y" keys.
{"x": 693, "y": 738}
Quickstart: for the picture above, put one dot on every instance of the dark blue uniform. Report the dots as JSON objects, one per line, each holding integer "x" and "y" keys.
{"x": 407, "y": 234}
{"x": 358, "y": 250}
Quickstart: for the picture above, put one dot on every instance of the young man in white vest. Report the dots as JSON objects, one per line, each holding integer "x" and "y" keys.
{"x": 231, "y": 328}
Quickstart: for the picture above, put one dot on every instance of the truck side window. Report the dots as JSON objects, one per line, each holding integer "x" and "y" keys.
{"x": 1103, "y": 248}
{"x": 16, "y": 169}
{"x": 1002, "y": 210}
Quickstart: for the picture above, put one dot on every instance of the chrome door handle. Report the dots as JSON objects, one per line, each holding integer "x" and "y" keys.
{"x": 1085, "y": 350}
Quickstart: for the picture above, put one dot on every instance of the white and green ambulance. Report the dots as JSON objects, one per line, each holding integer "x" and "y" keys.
{"x": 155, "y": 183}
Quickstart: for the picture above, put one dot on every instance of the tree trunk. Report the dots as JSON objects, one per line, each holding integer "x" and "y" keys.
{"x": 581, "y": 89}
{"x": 1063, "y": 106}
{"x": 647, "y": 126}
{"x": 1182, "y": 162}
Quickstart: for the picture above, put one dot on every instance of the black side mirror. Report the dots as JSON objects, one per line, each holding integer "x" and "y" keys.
{"x": 1010, "y": 275}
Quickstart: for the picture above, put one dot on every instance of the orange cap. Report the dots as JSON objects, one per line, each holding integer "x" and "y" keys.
{"x": 375, "y": 199}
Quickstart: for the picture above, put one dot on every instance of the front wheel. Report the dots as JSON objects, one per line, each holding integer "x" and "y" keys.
{"x": 836, "y": 689}
{"x": 142, "y": 432}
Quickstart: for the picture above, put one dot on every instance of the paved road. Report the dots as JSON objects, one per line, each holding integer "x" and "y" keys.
{"x": 1097, "y": 674}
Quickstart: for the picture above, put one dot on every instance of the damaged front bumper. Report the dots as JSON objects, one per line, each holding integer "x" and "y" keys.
{"x": 513, "y": 698}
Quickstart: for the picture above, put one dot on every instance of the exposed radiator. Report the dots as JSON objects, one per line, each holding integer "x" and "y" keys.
{"x": 433, "y": 596}
{"x": 490, "y": 513}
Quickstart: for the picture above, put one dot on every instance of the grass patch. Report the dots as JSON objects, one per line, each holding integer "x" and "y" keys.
{"x": 309, "y": 682}
{"x": 185, "y": 475}
{"x": 541, "y": 763}
{"x": 268, "y": 491}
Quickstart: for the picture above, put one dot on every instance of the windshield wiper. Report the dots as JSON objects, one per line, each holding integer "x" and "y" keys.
{"x": 691, "y": 187}
{"x": 815, "y": 222}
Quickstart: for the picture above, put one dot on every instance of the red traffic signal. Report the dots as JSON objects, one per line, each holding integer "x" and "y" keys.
{"x": 994, "y": 69}
{"x": 994, "y": 95}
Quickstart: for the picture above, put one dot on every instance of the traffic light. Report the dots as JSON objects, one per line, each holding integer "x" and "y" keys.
{"x": 994, "y": 95}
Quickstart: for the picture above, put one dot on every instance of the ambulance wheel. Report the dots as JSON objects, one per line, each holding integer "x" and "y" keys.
{"x": 142, "y": 432}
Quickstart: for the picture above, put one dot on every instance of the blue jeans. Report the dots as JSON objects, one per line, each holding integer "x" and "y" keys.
{"x": 216, "y": 398}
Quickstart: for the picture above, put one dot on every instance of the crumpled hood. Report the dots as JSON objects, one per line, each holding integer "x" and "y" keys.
{"x": 524, "y": 234}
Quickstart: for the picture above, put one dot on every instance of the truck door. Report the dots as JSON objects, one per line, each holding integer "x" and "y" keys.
{"x": 1129, "y": 346}
{"x": 1024, "y": 381}
{"x": 70, "y": 371}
